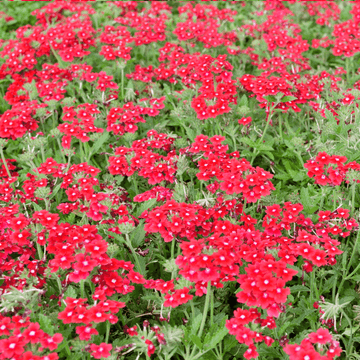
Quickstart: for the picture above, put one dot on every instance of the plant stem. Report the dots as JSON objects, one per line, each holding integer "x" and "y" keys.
{"x": 62, "y": 153}
{"x": 107, "y": 331}
{"x": 345, "y": 275}
{"x": 81, "y": 152}
{"x": 256, "y": 153}
{"x": 4, "y": 162}
{"x": 206, "y": 308}
{"x": 348, "y": 351}
{"x": 353, "y": 188}
{"x": 122, "y": 83}
{"x": 82, "y": 289}
{"x": 42, "y": 153}
{"x": 128, "y": 243}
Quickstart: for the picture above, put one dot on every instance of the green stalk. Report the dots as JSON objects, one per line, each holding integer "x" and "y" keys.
{"x": 39, "y": 250}
{"x": 82, "y": 289}
{"x": 62, "y": 153}
{"x": 42, "y": 153}
{"x": 345, "y": 275}
{"x": 353, "y": 188}
{"x": 206, "y": 308}
{"x": 4, "y": 162}
{"x": 81, "y": 152}
{"x": 256, "y": 153}
{"x": 107, "y": 331}
{"x": 128, "y": 243}
{"x": 172, "y": 249}
{"x": 122, "y": 83}
{"x": 212, "y": 309}
{"x": 348, "y": 351}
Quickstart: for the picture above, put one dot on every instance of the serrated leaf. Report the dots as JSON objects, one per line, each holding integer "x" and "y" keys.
{"x": 269, "y": 154}
{"x": 243, "y": 101}
{"x": 70, "y": 292}
{"x": 99, "y": 143}
{"x": 229, "y": 343}
{"x": 138, "y": 235}
{"x": 248, "y": 141}
{"x": 217, "y": 337}
{"x": 196, "y": 340}
{"x": 46, "y": 324}
{"x": 195, "y": 324}
{"x": 282, "y": 176}
{"x": 145, "y": 206}
{"x": 55, "y": 191}
{"x": 150, "y": 298}
{"x": 190, "y": 133}
{"x": 263, "y": 147}
{"x": 36, "y": 206}
{"x": 307, "y": 201}
{"x": 270, "y": 98}
{"x": 288, "y": 98}
{"x": 297, "y": 288}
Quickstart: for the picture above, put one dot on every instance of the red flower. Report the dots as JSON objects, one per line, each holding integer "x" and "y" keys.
{"x": 150, "y": 348}
{"x": 245, "y": 121}
{"x": 100, "y": 351}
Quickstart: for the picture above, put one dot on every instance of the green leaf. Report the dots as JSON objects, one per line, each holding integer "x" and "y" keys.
{"x": 138, "y": 235}
{"x": 146, "y": 205}
{"x": 217, "y": 337}
{"x": 244, "y": 101}
{"x": 36, "y": 206}
{"x": 196, "y": 340}
{"x": 269, "y": 154}
{"x": 55, "y": 191}
{"x": 263, "y": 147}
{"x": 307, "y": 201}
{"x": 46, "y": 324}
{"x": 195, "y": 324}
{"x": 190, "y": 133}
{"x": 270, "y": 98}
{"x": 298, "y": 288}
{"x": 248, "y": 141}
{"x": 288, "y": 98}
{"x": 229, "y": 343}
{"x": 70, "y": 292}
{"x": 99, "y": 143}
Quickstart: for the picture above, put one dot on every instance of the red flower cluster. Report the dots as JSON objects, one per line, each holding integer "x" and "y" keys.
{"x": 145, "y": 162}
{"x": 19, "y": 120}
{"x": 79, "y": 123}
{"x": 23, "y": 338}
{"x": 205, "y": 27}
{"x": 330, "y": 170}
{"x": 306, "y": 350}
{"x": 118, "y": 38}
{"x": 123, "y": 119}
{"x": 236, "y": 175}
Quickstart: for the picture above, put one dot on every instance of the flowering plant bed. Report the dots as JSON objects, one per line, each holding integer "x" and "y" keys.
{"x": 179, "y": 180}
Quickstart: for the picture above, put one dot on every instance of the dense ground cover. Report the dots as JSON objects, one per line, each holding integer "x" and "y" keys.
{"x": 179, "y": 180}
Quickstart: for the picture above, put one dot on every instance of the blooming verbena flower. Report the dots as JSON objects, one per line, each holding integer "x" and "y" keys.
{"x": 116, "y": 39}
{"x": 123, "y": 119}
{"x": 100, "y": 351}
{"x": 328, "y": 349}
{"x": 235, "y": 175}
{"x": 159, "y": 193}
{"x": 147, "y": 163}
{"x": 20, "y": 119}
{"x": 245, "y": 120}
{"x": 330, "y": 170}
{"x": 21, "y": 336}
